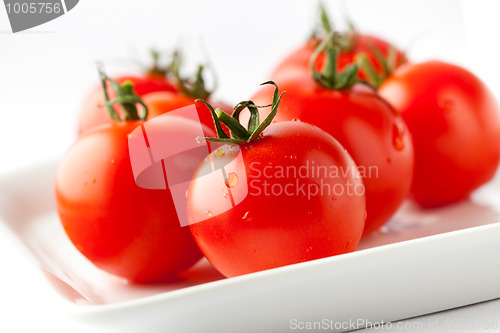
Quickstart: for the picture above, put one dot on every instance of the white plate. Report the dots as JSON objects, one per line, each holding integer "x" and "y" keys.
{"x": 421, "y": 262}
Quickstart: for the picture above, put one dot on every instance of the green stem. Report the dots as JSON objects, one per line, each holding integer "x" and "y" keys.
{"x": 330, "y": 67}
{"x": 156, "y": 69}
{"x": 345, "y": 40}
{"x": 218, "y": 128}
{"x": 274, "y": 109}
{"x": 236, "y": 129}
{"x": 238, "y": 133}
{"x": 380, "y": 57}
{"x": 125, "y": 96}
{"x": 159, "y": 64}
{"x": 392, "y": 59}
{"x": 325, "y": 20}
{"x": 111, "y": 111}
{"x": 195, "y": 86}
{"x": 330, "y": 77}
{"x": 253, "y": 121}
{"x": 388, "y": 64}
{"x": 373, "y": 77}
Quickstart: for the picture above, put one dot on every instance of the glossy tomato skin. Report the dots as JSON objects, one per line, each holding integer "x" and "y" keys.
{"x": 372, "y": 132}
{"x": 264, "y": 228}
{"x": 163, "y": 102}
{"x": 123, "y": 229}
{"x": 297, "y": 62}
{"x": 455, "y": 123}
{"x": 93, "y": 112}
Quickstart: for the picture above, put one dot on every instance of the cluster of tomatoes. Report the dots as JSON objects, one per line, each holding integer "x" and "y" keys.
{"x": 350, "y": 129}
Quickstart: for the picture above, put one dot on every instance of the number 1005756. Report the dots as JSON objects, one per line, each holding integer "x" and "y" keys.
{"x": 33, "y": 8}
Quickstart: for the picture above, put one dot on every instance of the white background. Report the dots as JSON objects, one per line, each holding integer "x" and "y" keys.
{"x": 46, "y": 72}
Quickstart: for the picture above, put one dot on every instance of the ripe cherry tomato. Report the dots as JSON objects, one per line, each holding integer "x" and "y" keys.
{"x": 122, "y": 228}
{"x": 297, "y": 62}
{"x": 371, "y": 131}
{"x": 276, "y": 200}
{"x": 455, "y": 123}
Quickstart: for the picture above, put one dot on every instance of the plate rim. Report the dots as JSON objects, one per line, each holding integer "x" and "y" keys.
{"x": 99, "y": 309}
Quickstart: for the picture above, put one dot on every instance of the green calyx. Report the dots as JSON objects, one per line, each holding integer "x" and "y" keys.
{"x": 238, "y": 133}
{"x": 125, "y": 96}
{"x": 156, "y": 69}
{"x": 341, "y": 42}
{"x": 333, "y": 43}
{"x": 345, "y": 40}
{"x": 388, "y": 64}
{"x": 192, "y": 86}
{"x": 330, "y": 77}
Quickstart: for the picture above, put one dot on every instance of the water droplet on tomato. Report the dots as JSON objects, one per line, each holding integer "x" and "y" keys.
{"x": 219, "y": 152}
{"x": 254, "y": 250}
{"x": 208, "y": 213}
{"x": 231, "y": 179}
{"x": 295, "y": 119}
{"x": 226, "y": 196}
{"x": 245, "y": 216}
{"x": 309, "y": 249}
{"x": 398, "y": 137}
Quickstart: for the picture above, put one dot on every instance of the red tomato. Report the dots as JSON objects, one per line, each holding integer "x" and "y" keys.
{"x": 455, "y": 123}
{"x": 93, "y": 112}
{"x": 297, "y": 63}
{"x": 371, "y": 131}
{"x": 112, "y": 194}
{"x": 292, "y": 195}
{"x": 123, "y": 229}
